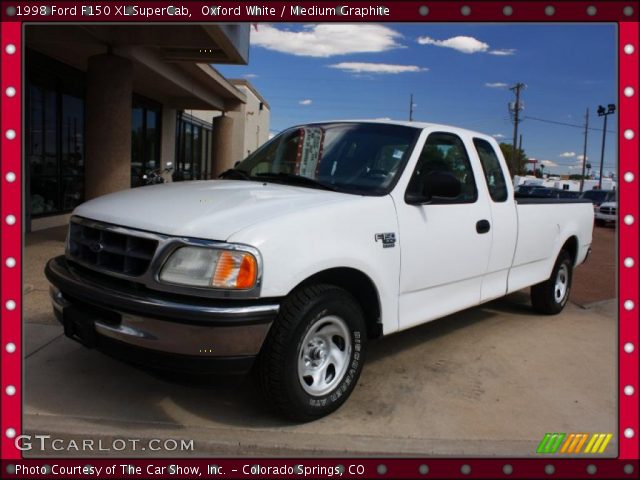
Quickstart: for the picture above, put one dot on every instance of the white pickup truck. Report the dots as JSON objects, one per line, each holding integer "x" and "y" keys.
{"x": 327, "y": 236}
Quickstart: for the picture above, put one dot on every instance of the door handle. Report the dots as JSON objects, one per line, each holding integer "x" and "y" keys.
{"x": 483, "y": 226}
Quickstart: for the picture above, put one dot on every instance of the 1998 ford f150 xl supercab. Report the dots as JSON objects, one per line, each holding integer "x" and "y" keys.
{"x": 328, "y": 235}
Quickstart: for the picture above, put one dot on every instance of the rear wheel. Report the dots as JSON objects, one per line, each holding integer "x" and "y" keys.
{"x": 314, "y": 353}
{"x": 551, "y": 296}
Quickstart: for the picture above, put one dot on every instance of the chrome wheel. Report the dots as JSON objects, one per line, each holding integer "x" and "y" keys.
{"x": 324, "y": 355}
{"x": 562, "y": 283}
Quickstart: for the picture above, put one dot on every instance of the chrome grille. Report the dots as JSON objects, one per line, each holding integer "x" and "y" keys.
{"x": 95, "y": 245}
{"x": 608, "y": 210}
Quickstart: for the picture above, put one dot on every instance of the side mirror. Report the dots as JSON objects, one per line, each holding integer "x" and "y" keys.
{"x": 442, "y": 185}
{"x": 437, "y": 186}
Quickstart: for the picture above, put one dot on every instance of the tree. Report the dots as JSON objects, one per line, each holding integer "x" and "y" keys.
{"x": 519, "y": 167}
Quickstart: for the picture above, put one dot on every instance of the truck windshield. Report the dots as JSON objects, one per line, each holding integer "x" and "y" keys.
{"x": 359, "y": 158}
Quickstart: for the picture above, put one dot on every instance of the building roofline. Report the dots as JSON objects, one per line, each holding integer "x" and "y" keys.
{"x": 246, "y": 83}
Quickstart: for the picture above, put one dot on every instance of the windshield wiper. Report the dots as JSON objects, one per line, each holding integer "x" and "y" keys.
{"x": 234, "y": 172}
{"x": 297, "y": 179}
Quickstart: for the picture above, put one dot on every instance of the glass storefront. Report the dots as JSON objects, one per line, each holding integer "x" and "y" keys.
{"x": 193, "y": 149}
{"x": 145, "y": 139}
{"x": 54, "y": 141}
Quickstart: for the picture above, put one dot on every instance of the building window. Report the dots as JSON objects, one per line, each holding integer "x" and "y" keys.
{"x": 193, "y": 149}
{"x": 54, "y": 137}
{"x": 145, "y": 139}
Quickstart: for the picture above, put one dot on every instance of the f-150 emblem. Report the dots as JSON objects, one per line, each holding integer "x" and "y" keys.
{"x": 388, "y": 239}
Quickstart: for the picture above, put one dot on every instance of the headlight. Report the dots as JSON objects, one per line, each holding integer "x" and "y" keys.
{"x": 210, "y": 267}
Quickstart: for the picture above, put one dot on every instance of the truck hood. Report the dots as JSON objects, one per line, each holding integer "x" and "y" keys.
{"x": 213, "y": 209}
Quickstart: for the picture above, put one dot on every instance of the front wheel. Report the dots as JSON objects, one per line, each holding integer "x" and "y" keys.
{"x": 550, "y": 296}
{"x": 313, "y": 355}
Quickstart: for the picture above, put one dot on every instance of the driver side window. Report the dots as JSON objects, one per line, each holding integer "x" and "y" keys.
{"x": 444, "y": 154}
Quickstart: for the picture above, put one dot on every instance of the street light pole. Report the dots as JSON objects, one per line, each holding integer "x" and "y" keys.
{"x": 602, "y": 112}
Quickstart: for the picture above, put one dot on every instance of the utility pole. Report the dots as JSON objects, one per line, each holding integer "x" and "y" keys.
{"x": 411, "y": 108}
{"x": 516, "y": 119}
{"x": 584, "y": 150}
{"x": 602, "y": 112}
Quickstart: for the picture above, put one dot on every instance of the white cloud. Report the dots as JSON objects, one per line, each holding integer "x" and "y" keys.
{"x": 364, "y": 67}
{"x": 461, "y": 43}
{"x": 502, "y": 52}
{"x": 306, "y": 101}
{"x": 567, "y": 154}
{"x": 548, "y": 163}
{"x": 327, "y": 40}
{"x": 581, "y": 157}
{"x": 496, "y": 85}
{"x": 498, "y": 135}
{"x": 250, "y": 75}
{"x": 466, "y": 44}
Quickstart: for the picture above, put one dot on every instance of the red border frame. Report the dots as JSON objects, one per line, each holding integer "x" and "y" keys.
{"x": 10, "y": 113}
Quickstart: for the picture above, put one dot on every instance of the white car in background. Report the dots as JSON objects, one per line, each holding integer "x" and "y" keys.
{"x": 606, "y": 212}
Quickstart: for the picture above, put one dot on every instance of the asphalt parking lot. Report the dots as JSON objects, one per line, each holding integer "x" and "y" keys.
{"x": 487, "y": 381}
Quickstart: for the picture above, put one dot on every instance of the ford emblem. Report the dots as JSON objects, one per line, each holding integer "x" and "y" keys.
{"x": 96, "y": 247}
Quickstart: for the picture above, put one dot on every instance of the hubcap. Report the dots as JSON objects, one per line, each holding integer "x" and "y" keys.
{"x": 324, "y": 355}
{"x": 562, "y": 283}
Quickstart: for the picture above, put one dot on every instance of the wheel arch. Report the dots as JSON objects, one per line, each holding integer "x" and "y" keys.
{"x": 571, "y": 246}
{"x": 358, "y": 284}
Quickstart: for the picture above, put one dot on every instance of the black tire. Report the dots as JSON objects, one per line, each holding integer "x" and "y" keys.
{"x": 278, "y": 363}
{"x": 545, "y": 296}
{"x": 600, "y": 222}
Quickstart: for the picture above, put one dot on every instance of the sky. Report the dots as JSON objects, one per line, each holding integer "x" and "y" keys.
{"x": 459, "y": 74}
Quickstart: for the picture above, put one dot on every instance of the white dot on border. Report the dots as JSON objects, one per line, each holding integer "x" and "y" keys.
{"x": 628, "y": 347}
{"x": 10, "y": 347}
{"x": 628, "y": 134}
{"x": 549, "y": 469}
{"x": 11, "y": 219}
{"x": 628, "y": 219}
{"x": 629, "y": 433}
{"x": 10, "y": 390}
{"x": 628, "y": 262}
{"x": 10, "y": 262}
{"x": 10, "y": 305}
{"x": 628, "y": 305}
{"x": 10, "y": 432}
{"x": 10, "y": 134}
{"x": 507, "y": 10}
{"x": 10, "y": 49}
{"x": 629, "y": 390}
{"x": 549, "y": 10}
{"x": 10, "y": 177}
{"x": 628, "y": 49}
{"x": 507, "y": 469}
{"x": 465, "y": 10}
{"x": 629, "y": 91}
{"x": 10, "y": 92}
{"x": 591, "y": 10}
{"x": 628, "y": 177}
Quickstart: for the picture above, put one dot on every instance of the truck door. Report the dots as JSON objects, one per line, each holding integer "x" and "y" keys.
{"x": 445, "y": 242}
{"x": 504, "y": 221}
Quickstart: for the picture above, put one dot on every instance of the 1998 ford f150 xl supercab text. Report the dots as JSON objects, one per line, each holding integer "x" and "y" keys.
{"x": 328, "y": 235}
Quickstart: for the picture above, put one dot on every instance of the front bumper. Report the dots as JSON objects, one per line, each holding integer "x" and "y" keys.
{"x": 169, "y": 331}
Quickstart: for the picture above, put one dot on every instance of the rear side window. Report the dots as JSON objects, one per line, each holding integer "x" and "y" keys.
{"x": 492, "y": 171}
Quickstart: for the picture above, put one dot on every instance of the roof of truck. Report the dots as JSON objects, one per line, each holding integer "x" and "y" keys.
{"x": 404, "y": 123}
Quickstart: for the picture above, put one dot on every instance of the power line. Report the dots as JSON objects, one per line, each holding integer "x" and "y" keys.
{"x": 574, "y": 125}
